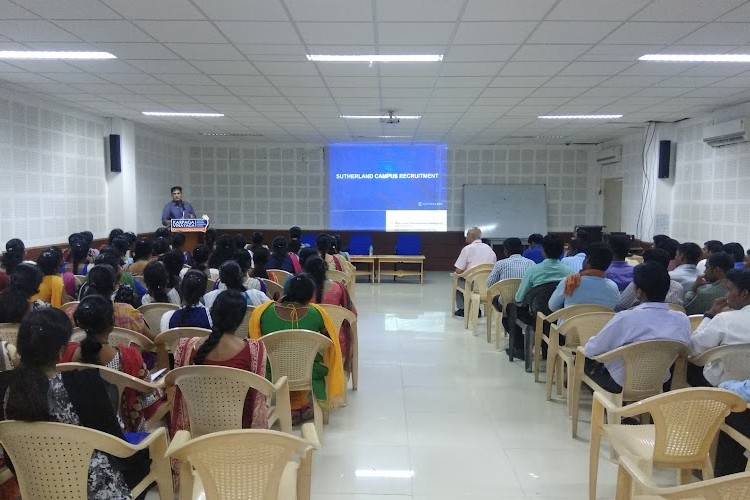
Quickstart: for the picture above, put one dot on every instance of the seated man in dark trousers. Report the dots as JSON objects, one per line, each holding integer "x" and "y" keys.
{"x": 512, "y": 266}
{"x": 651, "y": 320}
{"x": 550, "y": 270}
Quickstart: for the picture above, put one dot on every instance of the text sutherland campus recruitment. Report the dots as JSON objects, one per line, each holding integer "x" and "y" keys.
{"x": 387, "y": 176}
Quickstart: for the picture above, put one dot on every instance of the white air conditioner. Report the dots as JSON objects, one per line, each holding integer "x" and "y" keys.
{"x": 609, "y": 155}
{"x": 723, "y": 134}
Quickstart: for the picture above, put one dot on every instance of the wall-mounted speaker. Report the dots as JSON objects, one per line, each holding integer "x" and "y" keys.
{"x": 115, "y": 161}
{"x": 665, "y": 153}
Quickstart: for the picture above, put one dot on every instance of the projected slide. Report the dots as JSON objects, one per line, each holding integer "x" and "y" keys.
{"x": 388, "y": 187}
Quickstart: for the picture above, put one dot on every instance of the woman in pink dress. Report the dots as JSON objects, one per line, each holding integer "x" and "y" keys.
{"x": 332, "y": 292}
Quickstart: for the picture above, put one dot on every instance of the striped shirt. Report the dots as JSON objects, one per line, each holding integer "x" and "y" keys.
{"x": 512, "y": 267}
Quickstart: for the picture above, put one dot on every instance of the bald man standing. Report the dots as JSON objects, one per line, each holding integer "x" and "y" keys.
{"x": 473, "y": 254}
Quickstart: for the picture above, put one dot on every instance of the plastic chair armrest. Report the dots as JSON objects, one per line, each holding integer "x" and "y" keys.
{"x": 178, "y": 441}
{"x": 310, "y": 435}
{"x": 737, "y": 436}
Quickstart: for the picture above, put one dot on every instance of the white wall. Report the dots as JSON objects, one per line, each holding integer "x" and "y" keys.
{"x": 52, "y": 168}
{"x": 277, "y": 186}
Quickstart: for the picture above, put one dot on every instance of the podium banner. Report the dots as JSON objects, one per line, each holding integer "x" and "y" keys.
{"x": 189, "y": 225}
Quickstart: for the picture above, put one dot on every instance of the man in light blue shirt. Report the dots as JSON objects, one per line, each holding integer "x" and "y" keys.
{"x": 550, "y": 269}
{"x": 686, "y": 272}
{"x": 652, "y": 320}
{"x": 590, "y": 286}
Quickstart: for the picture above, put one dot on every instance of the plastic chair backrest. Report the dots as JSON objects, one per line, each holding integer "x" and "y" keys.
{"x": 359, "y": 243}
{"x": 153, "y": 312}
{"x": 242, "y": 331}
{"x": 61, "y": 451}
{"x": 69, "y": 305}
{"x": 117, "y": 378}
{"x": 676, "y": 307}
{"x": 476, "y": 281}
{"x": 686, "y": 422}
{"x": 504, "y": 288}
{"x": 408, "y": 244}
{"x": 280, "y": 274}
{"x": 537, "y": 298}
{"x": 9, "y": 332}
{"x": 292, "y": 353}
{"x": 246, "y": 463}
{"x": 340, "y": 314}
{"x": 733, "y": 358}
{"x": 695, "y": 321}
{"x": 274, "y": 291}
{"x": 215, "y": 395}
{"x": 646, "y": 363}
{"x": 579, "y": 329}
{"x": 125, "y": 336}
{"x": 210, "y": 285}
{"x": 339, "y": 276}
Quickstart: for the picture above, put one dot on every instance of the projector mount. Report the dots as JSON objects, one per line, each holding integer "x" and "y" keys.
{"x": 391, "y": 119}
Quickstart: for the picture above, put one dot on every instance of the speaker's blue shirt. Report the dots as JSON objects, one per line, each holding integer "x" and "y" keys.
{"x": 173, "y": 210}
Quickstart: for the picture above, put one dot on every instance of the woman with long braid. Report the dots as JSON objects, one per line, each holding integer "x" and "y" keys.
{"x": 223, "y": 348}
{"x": 295, "y": 311}
{"x": 95, "y": 315}
{"x": 156, "y": 278}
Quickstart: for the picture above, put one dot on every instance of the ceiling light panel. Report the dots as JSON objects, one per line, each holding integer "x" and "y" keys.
{"x": 724, "y": 58}
{"x": 370, "y": 58}
{"x": 188, "y": 114}
{"x": 579, "y": 117}
{"x": 57, "y": 54}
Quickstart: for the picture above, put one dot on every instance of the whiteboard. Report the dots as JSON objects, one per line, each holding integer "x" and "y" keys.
{"x": 506, "y": 211}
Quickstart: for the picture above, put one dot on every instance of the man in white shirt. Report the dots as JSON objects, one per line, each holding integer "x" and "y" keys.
{"x": 722, "y": 328}
{"x": 709, "y": 247}
{"x": 686, "y": 259}
{"x": 473, "y": 254}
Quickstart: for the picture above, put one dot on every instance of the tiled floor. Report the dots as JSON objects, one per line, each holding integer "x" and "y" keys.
{"x": 445, "y": 413}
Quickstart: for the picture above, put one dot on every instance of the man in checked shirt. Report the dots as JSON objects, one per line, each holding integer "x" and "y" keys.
{"x": 513, "y": 266}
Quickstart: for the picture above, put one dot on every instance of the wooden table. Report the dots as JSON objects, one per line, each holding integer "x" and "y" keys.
{"x": 365, "y": 259}
{"x": 401, "y": 259}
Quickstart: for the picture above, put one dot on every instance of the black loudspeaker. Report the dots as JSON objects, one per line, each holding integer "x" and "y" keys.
{"x": 665, "y": 152}
{"x": 115, "y": 163}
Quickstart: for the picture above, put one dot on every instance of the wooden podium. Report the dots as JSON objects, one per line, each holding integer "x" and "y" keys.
{"x": 193, "y": 230}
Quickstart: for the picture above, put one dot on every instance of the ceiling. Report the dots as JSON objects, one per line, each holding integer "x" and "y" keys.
{"x": 506, "y": 62}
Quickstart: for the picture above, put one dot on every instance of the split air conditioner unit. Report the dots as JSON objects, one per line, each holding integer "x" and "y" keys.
{"x": 723, "y": 134}
{"x": 609, "y": 155}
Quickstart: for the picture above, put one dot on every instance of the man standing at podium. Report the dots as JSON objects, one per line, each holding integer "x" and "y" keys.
{"x": 177, "y": 208}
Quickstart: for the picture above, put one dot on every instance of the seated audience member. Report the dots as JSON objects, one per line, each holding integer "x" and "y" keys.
{"x": 142, "y": 255}
{"x": 332, "y": 292}
{"x": 101, "y": 281}
{"x": 720, "y": 327}
{"x": 670, "y": 245}
{"x": 730, "y": 455}
{"x": 223, "y": 252}
{"x": 161, "y": 246}
{"x": 155, "y": 276}
{"x": 174, "y": 262}
{"x": 295, "y": 239}
{"x": 652, "y": 320}
{"x": 306, "y": 253}
{"x": 534, "y": 252}
{"x": 245, "y": 260}
{"x": 295, "y": 311}
{"x": 550, "y": 269}
{"x": 711, "y": 286}
{"x": 209, "y": 238}
{"x": 620, "y": 271}
{"x": 192, "y": 312}
{"x": 629, "y": 299}
{"x": 36, "y": 392}
{"x": 514, "y": 265}
{"x": 279, "y": 258}
{"x": 178, "y": 242}
{"x": 15, "y": 300}
{"x": 686, "y": 260}
{"x": 473, "y": 254}
{"x": 590, "y": 286}
{"x": 121, "y": 246}
{"x": 239, "y": 241}
{"x": 336, "y": 247}
{"x": 201, "y": 253}
{"x": 127, "y": 290}
{"x": 709, "y": 247}
{"x": 15, "y": 252}
{"x": 233, "y": 278}
{"x": 163, "y": 232}
{"x": 223, "y": 348}
{"x": 256, "y": 241}
{"x": 78, "y": 255}
{"x": 95, "y": 316}
{"x": 52, "y": 287}
{"x": 260, "y": 265}
{"x": 576, "y": 255}
{"x": 738, "y": 252}
{"x": 323, "y": 245}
